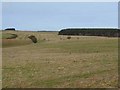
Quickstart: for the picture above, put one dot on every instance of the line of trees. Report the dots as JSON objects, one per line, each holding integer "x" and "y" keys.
{"x": 11, "y": 29}
{"x": 109, "y": 32}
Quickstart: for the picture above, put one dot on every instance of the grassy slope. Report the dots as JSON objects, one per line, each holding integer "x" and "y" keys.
{"x": 13, "y": 42}
{"x": 6, "y": 35}
{"x": 84, "y": 62}
{"x": 0, "y": 33}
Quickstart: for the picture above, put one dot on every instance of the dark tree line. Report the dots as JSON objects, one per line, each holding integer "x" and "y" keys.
{"x": 11, "y": 29}
{"x": 109, "y": 32}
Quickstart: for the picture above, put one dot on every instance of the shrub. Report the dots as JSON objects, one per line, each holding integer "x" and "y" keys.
{"x": 68, "y": 37}
{"x": 44, "y": 39}
{"x": 33, "y": 38}
{"x": 77, "y": 37}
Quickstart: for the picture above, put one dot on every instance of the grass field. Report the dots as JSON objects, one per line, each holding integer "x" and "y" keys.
{"x": 55, "y": 61}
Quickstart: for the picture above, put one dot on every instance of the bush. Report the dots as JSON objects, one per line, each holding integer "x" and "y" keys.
{"x": 68, "y": 37}
{"x": 33, "y": 38}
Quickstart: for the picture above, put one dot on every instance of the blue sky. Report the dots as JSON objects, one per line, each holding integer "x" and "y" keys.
{"x": 55, "y": 16}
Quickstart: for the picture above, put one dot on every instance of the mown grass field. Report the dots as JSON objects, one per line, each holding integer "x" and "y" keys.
{"x": 58, "y": 62}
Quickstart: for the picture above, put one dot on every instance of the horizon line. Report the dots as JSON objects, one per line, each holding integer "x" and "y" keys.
{"x": 64, "y": 28}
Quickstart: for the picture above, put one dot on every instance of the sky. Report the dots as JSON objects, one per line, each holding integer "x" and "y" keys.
{"x": 54, "y": 16}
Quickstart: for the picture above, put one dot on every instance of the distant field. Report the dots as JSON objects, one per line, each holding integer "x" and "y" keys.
{"x": 55, "y": 61}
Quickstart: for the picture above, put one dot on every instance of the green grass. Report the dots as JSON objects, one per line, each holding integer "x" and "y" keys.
{"x": 87, "y": 62}
{"x": 83, "y": 46}
{"x": 13, "y": 41}
{"x": 6, "y": 35}
{"x": 0, "y": 35}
